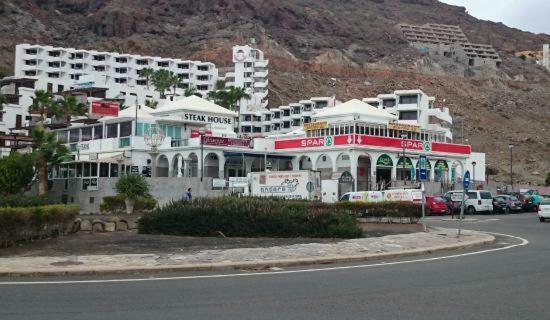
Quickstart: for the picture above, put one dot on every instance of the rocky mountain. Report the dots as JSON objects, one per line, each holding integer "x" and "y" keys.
{"x": 349, "y": 48}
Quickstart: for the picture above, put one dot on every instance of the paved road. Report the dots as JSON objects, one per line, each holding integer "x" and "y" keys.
{"x": 508, "y": 284}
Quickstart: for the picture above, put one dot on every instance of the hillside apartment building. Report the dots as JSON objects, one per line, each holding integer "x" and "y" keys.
{"x": 451, "y": 42}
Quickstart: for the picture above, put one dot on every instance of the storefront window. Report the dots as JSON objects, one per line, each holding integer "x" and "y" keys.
{"x": 126, "y": 129}
{"x": 79, "y": 170}
{"x": 62, "y": 136}
{"x": 93, "y": 170}
{"x": 86, "y": 169}
{"x": 112, "y": 130}
{"x": 86, "y": 134}
{"x": 98, "y": 132}
{"x": 114, "y": 170}
{"x": 104, "y": 170}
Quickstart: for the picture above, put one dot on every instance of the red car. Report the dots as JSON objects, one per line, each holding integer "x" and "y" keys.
{"x": 436, "y": 205}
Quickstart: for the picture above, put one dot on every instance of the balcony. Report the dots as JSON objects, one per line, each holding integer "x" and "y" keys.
{"x": 261, "y": 74}
{"x": 261, "y": 64}
{"x": 261, "y": 85}
{"x": 441, "y": 115}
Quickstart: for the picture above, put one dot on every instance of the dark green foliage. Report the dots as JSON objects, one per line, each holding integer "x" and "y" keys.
{"x": 21, "y": 200}
{"x": 132, "y": 186}
{"x": 116, "y": 204}
{"x": 25, "y": 223}
{"x": 250, "y": 217}
{"x": 16, "y": 172}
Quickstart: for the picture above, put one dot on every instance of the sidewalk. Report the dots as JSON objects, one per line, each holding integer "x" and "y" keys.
{"x": 248, "y": 258}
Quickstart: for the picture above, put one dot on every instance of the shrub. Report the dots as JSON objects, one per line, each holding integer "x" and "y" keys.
{"x": 22, "y": 200}
{"x": 25, "y": 223}
{"x": 16, "y": 172}
{"x": 132, "y": 186}
{"x": 115, "y": 204}
{"x": 250, "y": 217}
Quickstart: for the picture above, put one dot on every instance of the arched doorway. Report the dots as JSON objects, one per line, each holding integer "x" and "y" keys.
{"x": 384, "y": 166}
{"x": 324, "y": 165}
{"x": 441, "y": 170}
{"x": 363, "y": 173}
{"x": 305, "y": 163}
{"x": 192, "y": 165}
{"x": 345, "y": 176}
{"x": 162, "y": 166}
{"x": 177, "y": 166}
{"x": 211, "y": 165}
{"x": 404, "y": 169}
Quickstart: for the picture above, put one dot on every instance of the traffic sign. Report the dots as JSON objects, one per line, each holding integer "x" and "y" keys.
{"x": 422, "y": 172}
{"x": 466, "y": 180}
{"x": 310, "y": 186}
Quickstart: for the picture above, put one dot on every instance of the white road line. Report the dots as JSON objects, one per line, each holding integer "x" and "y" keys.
{"x": 523, "y": 243}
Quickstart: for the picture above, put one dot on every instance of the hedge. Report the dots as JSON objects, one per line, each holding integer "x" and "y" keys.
{"x": 22, "y": 200}
{"x": 250, "y": 217}
{"x": 115, "y": 204}
{"x": 26, "y": 223}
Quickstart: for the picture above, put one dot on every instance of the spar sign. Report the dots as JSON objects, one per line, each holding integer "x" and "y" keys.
{"x": 372, "y": 141}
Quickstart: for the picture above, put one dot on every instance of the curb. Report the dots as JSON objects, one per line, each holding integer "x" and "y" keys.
{"x": 458, "y": 220}
{"x": 252, "y": 265}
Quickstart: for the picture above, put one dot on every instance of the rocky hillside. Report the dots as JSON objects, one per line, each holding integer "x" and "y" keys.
{"x": 319, "y": 47}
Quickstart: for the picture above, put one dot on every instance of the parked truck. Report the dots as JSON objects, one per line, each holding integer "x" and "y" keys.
{"x": 302, "y": 185}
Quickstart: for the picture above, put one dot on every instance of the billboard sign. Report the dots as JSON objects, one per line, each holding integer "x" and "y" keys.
{"x": 104, "y": 108}
{"x": 225, "y": 142}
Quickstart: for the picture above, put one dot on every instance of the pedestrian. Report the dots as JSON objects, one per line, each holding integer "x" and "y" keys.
{"x": 188, "y": 194}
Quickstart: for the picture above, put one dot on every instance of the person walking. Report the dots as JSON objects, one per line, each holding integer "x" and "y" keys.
{"x": 188, "y": 194}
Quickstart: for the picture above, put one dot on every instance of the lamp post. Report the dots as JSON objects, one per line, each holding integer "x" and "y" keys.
{"x": 265, "y": 159}
{"x": 511, "y": 146}
{"x": 474, "y": 174}
{"x": 403, "y": 137}
{"x": 201, "y": 134}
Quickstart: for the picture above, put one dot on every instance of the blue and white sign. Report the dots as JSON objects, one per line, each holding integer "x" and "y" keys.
{"x": 466, "y": 180}
{"x": 422, "y": 168}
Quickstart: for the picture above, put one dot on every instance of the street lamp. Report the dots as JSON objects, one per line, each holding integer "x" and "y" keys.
{"x": 201, "y": 134}
{"x": 474, "y": 174}
{"x": 403, "y": 137}
{"x": 511, "y": 146}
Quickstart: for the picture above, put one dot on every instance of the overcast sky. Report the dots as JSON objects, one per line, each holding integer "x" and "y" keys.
{"x": 528, "y": 15}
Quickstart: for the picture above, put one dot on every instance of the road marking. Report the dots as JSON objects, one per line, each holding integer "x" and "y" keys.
{"x": 523, "y": 243}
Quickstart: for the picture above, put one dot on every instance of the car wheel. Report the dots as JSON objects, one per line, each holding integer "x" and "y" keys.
{"x": 542, "y": 219}
{"x": 471, "y": 210}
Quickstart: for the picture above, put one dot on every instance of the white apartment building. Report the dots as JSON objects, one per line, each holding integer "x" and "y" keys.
{"x": 60, "y": 69}
{"x": 545, "y": 62}
{"x": 251, "y": 74}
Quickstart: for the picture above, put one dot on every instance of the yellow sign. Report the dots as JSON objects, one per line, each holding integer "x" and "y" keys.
{"x": 315, "y": 125}
{"x": 403, "y": 127}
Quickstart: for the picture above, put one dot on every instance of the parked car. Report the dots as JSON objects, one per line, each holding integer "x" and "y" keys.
{"x": 506, "y": 204}
{"x": 478, "y": 201}
{"x": 544, "y": 210}
{"x": 526, "y": 200}
{"x": 436, "y": 205}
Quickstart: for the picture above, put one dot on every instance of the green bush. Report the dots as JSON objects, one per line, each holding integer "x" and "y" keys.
{"x": 115, "y": 204}
{"x": 16, "y": 172}
{"x": 250, "y": 217}
{"x": 22, "y": 200}
{"x": 132, "y": 186}
{"x": 25, "y": 223}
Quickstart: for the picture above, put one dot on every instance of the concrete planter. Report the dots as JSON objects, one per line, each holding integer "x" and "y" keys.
{"x": 129, "y": 205}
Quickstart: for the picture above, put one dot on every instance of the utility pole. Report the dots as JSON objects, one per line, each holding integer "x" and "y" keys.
{"x": 511, "y": 146}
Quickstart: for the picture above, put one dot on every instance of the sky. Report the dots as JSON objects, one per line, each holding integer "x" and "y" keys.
{"x": 528, "y": 15}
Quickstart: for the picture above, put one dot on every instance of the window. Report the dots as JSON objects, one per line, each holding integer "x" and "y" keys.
{"x": 54, "y": 64}
{"x": 31, "y": 73}
{"x": 31, "y": 51}
{"x": 202, "y": 88}
{"x": 276, "y": 115}
{"x": 121, "y": 70}
{"x": 121, "y": 60}
{"x": 114, "y": 170}
{"x": 121, "y": 80}
{"x": 183, "y": 75}
{"x": 296, "y": 122}
{"x": 163, "y": 64}
{"x": 54, "y": 53}
{"x": 202, "y": 68}
{"x": 125, "y": 129}
{"x": 18, "y": 121}
{"x": 486, "y": 195}
{"x": 53, "y": 74}
{"x": 62, "y": 136}
{"x": 142, "y": 62}
{"x": 286, "y": 113}
{"x": 286, "y": 124}
{"x": 99, "y": 68}
{"x": 408, "y": 115}
{"x": 267, "y": 117}
{"x": 256, "y": 118}
{"x": 74, "y": 135}
{"x": 390, "y": 103}
{"x": 412, "y": 99}
{"x": 183, "y": 66}
{"x": 202, "y": 78}
{"x": 98, "y": 132}
{"x": 104, "y": 170}
{"x": 99, "y": 58}
{"x": 86, "y": 134}
{"x": 112, "y": 130}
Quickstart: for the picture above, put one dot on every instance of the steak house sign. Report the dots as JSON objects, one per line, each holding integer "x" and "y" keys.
{"x": 204, "y": 118}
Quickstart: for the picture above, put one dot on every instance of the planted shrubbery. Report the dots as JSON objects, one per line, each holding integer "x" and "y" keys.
{"x": 250, "y": 217}
{"x": 25, "y": 223}
{"x": 22, "y": 200}
{"x": 116, "y": 204}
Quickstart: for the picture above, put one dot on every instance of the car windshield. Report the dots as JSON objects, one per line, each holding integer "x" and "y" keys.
{"x": 486, "y": 195}
{"x": 514, "y": 198}
{"x": 472, "y": 195}
{"x": 439, "y": 199}
{"x": 345, "y": 197}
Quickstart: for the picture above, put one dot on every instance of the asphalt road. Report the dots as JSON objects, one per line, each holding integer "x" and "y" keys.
{"x": 507, "y": 284}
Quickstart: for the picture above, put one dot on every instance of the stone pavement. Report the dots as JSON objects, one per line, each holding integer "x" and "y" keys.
{"x": 249, "y": 258}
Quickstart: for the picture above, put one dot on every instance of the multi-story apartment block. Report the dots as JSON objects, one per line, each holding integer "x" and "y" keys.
{"x": 251, "y": 74}
{"x": 451, "y": 42}
{"x": 61, "y": 69}
{"x": 545, "y": 62}
{"x": 283, "y": 119}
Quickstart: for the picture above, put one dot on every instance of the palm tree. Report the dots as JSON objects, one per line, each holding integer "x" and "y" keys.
{"x": 67, "y": 107}
{"x": 236, "y": 94}
{"x": 41, "y": 104}
{"x": 146, "y": 73}
{"x": 220, "y": 84}
{"x": 190, "y": 91}
{"x": 162, "y": 80}
{"x": 151, "y": 104}
{"x": 175, "y": 81}
{"x": 48, "y": 151}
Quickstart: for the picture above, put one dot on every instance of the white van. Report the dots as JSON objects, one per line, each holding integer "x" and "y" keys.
{"x": 363, "y": 196}
{"x": 478, "y": 200}
{"x": 411, "y": 195}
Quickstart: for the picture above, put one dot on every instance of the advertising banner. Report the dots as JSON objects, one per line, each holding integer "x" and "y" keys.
{"x": 102, "y": 108}
{"x": 225, "y": 142}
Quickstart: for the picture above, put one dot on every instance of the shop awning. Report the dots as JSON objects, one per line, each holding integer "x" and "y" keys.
{"x": 255, "y": 155}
